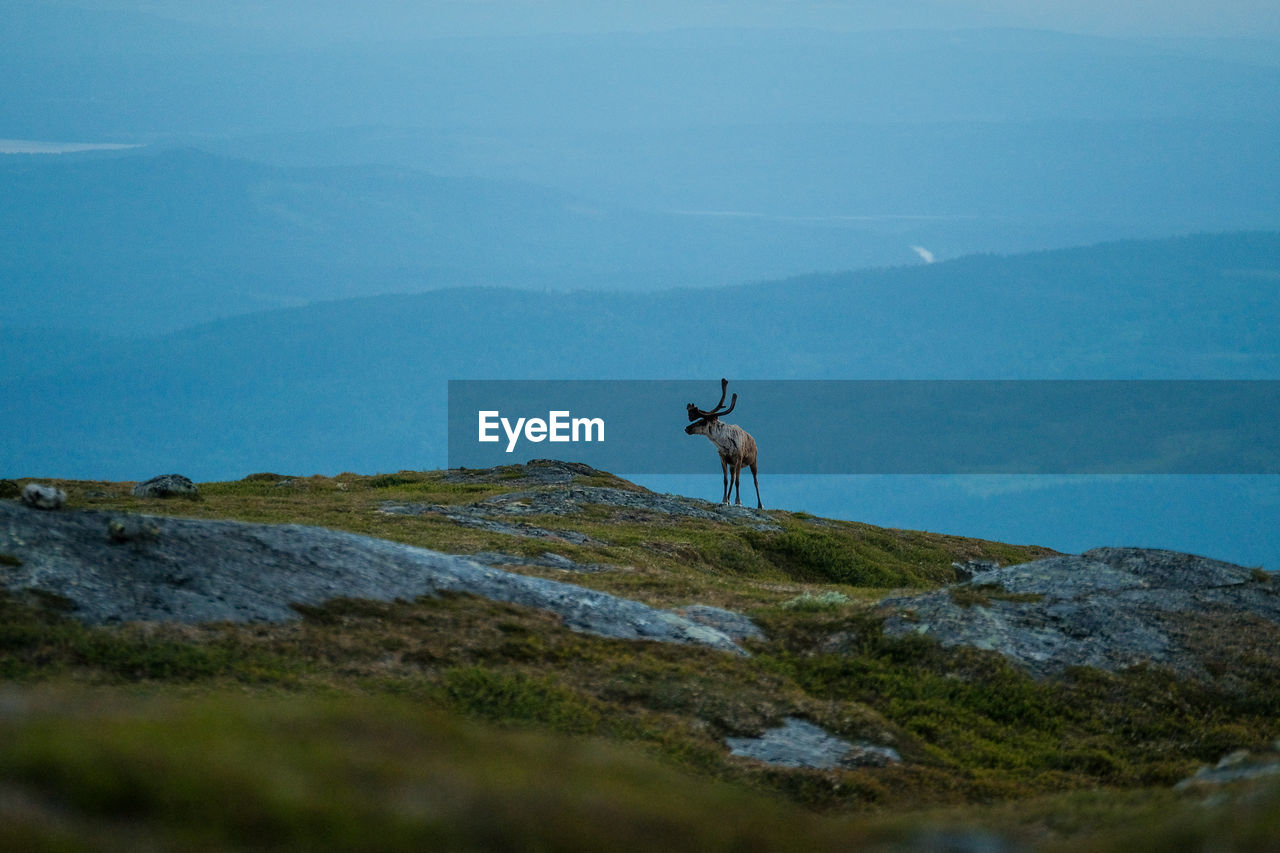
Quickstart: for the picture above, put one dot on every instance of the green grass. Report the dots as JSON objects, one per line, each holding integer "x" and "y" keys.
{"x": 866, "y": 557}
{"x": 517, "y": 697}
{"x": 997, "y": 730}
{"x": 113, "y": 770}
{"x": 345, "y": 774}
{"x": 38, "y": 643}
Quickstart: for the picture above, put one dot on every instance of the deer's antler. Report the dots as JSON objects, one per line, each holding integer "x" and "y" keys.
{"x": 695, "y": 412}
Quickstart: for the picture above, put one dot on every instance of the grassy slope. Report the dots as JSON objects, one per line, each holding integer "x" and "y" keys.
{"x": 462, "y": 722}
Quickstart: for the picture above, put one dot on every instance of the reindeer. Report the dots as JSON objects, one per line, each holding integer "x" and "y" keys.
{"x": 735, "y": 444}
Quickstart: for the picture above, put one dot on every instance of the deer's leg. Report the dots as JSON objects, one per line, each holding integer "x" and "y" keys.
{"x": 737, "y": 481}
{"x": 757, "y": 482}
{"x": 724, "y": 472}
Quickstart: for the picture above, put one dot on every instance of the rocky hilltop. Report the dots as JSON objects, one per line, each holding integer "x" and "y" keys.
{"x": 1108, "y": 608}
{"x": 812, "y": 662}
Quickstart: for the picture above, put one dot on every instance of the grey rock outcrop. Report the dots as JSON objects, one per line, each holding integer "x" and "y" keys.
{"x": 167, "y": 486}
{"x": 1109, "y": 608}
{"x": 966, "y": 570}
{"x": 469, "y": 517}
{"x": 572, "y": 500}
{"x": 548, "y": 560}
{"x": 733, "y": 624}
{"x": 798, "y": 743}
{"x": 504, "y": 513}
{"x": 132, "y": 528}
{"x": 43, "y": 497}
{"x": 151, "y": 568}
{"x": 536, "y": 472}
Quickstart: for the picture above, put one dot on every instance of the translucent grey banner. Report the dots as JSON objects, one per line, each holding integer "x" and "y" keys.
{"x": 878, "y": 427}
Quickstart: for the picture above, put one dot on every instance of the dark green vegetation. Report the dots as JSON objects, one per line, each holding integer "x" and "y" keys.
{"x": 459, "y": 722}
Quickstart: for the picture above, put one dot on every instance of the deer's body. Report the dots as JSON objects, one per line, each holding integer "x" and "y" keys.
{"x": 734, "y": 444}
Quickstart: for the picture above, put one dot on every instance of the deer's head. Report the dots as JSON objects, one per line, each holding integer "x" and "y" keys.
{"x": 702, "y": 420}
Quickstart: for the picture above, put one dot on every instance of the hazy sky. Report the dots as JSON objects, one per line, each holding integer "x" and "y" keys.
{"x": 414, "y": 18}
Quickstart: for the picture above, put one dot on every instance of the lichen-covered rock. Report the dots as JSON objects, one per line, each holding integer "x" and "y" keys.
{"x": 467, "y": 518}
{"x": 132, "y": 529}
{"x": 501, "y": 513}
{"x": 735, "y": 625}
{"x": 572, "y": 500}
{"x": 1109, "y": 608}
{"x": 152, "y": 568}
{"x": 538, "y": 472}
{"x": 167, "y": 486}
{"x": 966, "y": 570}
{"x": 43, "y": 497}
{"x": 798, "y": 743}
{"x": 548, "y": 560}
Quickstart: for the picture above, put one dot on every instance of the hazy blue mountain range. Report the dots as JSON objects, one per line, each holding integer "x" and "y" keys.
{"x": 955, "y": 187}
{"x": 361, "y": 384}
{"x": 141, "y": 242}
{"x": 960, "y": 141}
{"x": 1194, "y": 307}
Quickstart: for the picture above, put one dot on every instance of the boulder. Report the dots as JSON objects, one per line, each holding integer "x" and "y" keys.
{"x": 799, "y": 743}
{"x": 43, "y": 497}
{"x": 966, "y": 570}
{"x": 167, "y": 486}
{"x": 1109, "y": 608}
